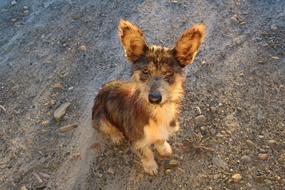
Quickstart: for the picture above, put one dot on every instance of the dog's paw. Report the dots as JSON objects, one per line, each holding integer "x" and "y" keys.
{"x": 164, "y": 150}
{"x": 150, "y": 167}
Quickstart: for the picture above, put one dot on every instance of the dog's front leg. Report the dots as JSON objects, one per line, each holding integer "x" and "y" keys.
{"x": 163, "y": 148}
{"x": 147, "y": 158}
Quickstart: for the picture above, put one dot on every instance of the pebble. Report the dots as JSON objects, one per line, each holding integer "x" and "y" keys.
{"x": 23, "y": 188}
{"x": 57, "y": 85}
{"x": 198, "y": 110}
{"x": 249, "y": 142}
{"x": 38, "y": 178}
{"x": 52, "y": 102}
{"x": 83, "y": 48}
{"x": 245, "y": 158}
{"x": 173, "y": 162}
{"x": 44, "y": 175}
{"x": 274, "y": 27}
{"x": 68, "y": 128}
{"x": 13, "y": 2}
{"x": 236, "y": 177}
{"x": 13, "y": 20}
{"x": 26, "y": 12}
{"x": 203, "y": 128}
{"x": 213, "y": 109}
{"x": 25, "y": 7}
{"x": 201, "y": 119}
{"x": 168, "y": 171}
{"x": 61, "y": 110}
{"x": 110, "y": 171}
{"x": 272, "y": 142}
{"x": 45, "y": 123}
{"x": 238, "y": 40}
{"x": 263, "y": 156}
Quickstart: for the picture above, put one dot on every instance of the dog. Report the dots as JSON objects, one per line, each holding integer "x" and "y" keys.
{"x": 145, "y": 110}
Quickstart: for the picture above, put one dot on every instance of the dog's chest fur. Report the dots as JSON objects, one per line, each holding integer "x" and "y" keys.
{"x": 161, "y": 125}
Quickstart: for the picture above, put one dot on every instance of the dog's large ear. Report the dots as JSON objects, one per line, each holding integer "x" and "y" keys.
{"x": 188, "y": 44}
{"x": 132, "y": 39}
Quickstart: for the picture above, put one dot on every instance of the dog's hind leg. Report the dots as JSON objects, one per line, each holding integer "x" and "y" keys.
{"x": 106, "y": 127}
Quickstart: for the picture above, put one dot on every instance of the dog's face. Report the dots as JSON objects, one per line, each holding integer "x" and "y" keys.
{"x": 159, "y": 70}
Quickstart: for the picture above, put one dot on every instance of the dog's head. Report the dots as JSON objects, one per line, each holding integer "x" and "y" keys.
{"x": 159, "y": 70}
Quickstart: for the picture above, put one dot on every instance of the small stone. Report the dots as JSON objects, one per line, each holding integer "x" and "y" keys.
{"x": 26, "y": 12}
{"x": 38, "y": 178}
{"x": 213, "y": 109}
{"x": 201, "y": 119}
{"x": 57, "y": 85}
{"x": 213, "y": 131}
{"x": 76, "y": 16}
{"x": 274, "y": 27}
{"x": 61, "y": 110}
{"x": 23, "y": 188}
{"x": 203, "y": 62}
{"x": 68, "y": 128}
{"x": 25, "y": 7}
{"x": 272, "y": 142}
{"x": 52, "y": 102}
{"x": 13, "y": 20}
{"x": 45, "y": 123}
{"x": 203, "y": 128}
{"x": 44, "y": 175}
{"x": 110, "y": 171}
{"x": 263, "y": 156}
{"x": 168, "y": 171}
{"x": 13, "y": 2}
{"x": 83, "y": 48}
{"x": 173, "y": 162}
{"x": 238, "y": 40}
{"x": 275, "y": 57}
{"x": 249, "y": 142}
{"x": 245, "y": 158}
{"x": 198, "y": 110}
{"x": 236, "y": 177}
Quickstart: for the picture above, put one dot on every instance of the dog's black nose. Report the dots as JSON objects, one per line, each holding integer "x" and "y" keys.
{"x": 154, "y": 97}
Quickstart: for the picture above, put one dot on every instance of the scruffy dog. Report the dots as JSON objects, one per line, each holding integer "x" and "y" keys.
{"x": 145, "y": 109}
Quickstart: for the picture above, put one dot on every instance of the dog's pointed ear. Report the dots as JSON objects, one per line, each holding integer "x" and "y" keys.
{"x": 188, "y": 44}
{"x": 132, "y": 39}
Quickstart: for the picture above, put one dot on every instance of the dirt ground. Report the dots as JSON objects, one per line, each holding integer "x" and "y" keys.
{"x": 233, "y": 122}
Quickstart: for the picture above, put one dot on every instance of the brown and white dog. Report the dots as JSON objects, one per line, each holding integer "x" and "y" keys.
{"x": 145, "y": 109}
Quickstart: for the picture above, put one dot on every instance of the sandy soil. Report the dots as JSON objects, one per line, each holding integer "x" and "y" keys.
{"x": 56, "y": 51}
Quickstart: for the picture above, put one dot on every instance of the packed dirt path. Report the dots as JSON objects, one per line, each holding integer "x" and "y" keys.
{"x": 233, "y": 122}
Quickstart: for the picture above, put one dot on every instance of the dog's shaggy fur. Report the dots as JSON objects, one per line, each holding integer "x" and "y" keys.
{"x": 145, "y": 109}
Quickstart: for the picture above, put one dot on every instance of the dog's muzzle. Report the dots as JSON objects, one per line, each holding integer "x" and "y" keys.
{"x": 154, "y": 97}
